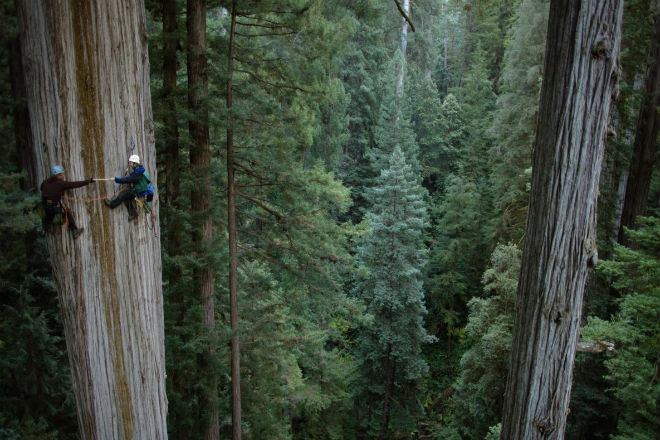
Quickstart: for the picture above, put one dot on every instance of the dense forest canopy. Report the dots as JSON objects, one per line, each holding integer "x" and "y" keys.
{"x": 342, "y": 191}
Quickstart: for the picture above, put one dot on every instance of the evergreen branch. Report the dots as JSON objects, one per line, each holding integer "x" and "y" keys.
{"x": 251, "y": 173}
{"x": 298, "y": 273}
{"x": 261, "y": 60}
{"x": 264, "y": 35}
{"x": 261, "y": 204}
{"x": 257, "y": 185}
{"x": 268, "y": 83}
{"x": 405, "y": 16}
{"x": 273, "y": 25}
{"x": 277, "y": 12}
{"x": 267, "y": 122}
{"x": 256, "y": 217}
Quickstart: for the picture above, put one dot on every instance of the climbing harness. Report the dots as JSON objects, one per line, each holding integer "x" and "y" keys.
{"x": 52, "y": 213}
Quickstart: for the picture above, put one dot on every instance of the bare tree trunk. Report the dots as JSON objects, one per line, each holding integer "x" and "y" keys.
{"x": 87, "y": 77}
{"x": 404, "y": 45}
{"x": 645, "y": 145}
{"x": 200, "y": 164}
{"x": 388, "y": 393}
{"x": 429, "y": 58}
{"x": 233, "y": 247}
{"x": 581, "y": 56}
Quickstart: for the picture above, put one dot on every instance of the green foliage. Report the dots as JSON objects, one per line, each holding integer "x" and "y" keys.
{"x": 393, "y": 257}
{"x": 451, "y": 275}
{"x": 461, "y": 216}
{"x": 316, "y": 114}
{"x": 594, "y": 410}
{"x": 394, "y": 128}
{"x": 477, "y": 107}
{"x": 290, "y": 367}
{"x": 332, "y": 133}
{"x": 360, "y": 68}
{"x": 515, "y": 118}
{"x": 36, "y": 400}
{"x": 288, "y": 127}
{"x": 494, "y": 432}
{"x": 633, "y": 367}
{"x": 426, "y": 113}
{"x": 482, "y": 378}
{"x": 487, "y": 24}
{"x": 454, "y": 136}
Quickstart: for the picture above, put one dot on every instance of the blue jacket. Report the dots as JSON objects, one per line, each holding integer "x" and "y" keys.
{"x": 141, "y": 181}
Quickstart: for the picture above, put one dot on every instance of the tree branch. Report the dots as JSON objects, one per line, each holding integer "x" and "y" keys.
{"x": 405, "y": 16}
{"x": 282, "y": 34}
{"x": 261, "y": 205}
{"x": 267, "y": 83}
{"x": 269, "y": 26}
{"x": 595, "y": 346}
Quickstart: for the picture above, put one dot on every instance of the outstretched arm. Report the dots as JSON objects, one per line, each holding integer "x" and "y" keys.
{"x": 76, "y": 184}
{"x": 132, "y": 178}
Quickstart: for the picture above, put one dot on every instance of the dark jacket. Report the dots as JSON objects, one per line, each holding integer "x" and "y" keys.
{"x": 53, "y": 188}
{"x": 140, "y": 180}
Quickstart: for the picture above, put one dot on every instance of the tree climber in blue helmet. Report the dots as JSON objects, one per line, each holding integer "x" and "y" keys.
{"x": 138, "y": 184}
{"x": 54, "y": 212}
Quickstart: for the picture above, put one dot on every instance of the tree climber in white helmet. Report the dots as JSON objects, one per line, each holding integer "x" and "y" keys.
{"x": 138, "y": 184}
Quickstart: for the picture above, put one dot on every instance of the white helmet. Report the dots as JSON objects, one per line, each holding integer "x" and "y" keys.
{"x": 134, "y": 158}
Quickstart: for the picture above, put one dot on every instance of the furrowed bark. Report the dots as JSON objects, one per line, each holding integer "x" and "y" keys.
{"x": 579, "y": 78}
{"x": 87, "y": 76}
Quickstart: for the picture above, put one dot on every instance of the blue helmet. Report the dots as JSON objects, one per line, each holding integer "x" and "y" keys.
{"x": 57, "y": 169}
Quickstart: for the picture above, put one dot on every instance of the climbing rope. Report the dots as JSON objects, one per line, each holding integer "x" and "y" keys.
{"x": 143, "y": 205}
{"x": 87, "y": 200}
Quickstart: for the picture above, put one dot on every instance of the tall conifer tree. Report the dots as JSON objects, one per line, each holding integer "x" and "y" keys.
{"x": 280, "y": 225}
{"x": 393, "y": 257}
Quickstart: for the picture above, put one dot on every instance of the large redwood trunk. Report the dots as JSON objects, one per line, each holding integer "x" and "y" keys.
{"x": 581, "y": 57}
{"x": 87, "y": 77}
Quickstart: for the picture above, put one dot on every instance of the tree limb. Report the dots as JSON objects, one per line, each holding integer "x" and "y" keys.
{"x": 595, "y": 346}
{"x": 262, "y": 205}
{"x": 405, "y": 16}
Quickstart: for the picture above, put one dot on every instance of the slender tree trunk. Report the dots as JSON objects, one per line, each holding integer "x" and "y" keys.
{"x": 200, "y": 165}
{"x": 645, "y": 146}
{"x": 581, "y": 55}
{"x": 233, "y": 247}
{"x": 404, "y": 45}
{"x": 387, "y": 397}
{"x": 429, "y": 58}
{"x": 87, "y": 77}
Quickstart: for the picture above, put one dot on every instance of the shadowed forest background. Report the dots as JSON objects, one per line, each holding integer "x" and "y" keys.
{"x": 382, "y": 173}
